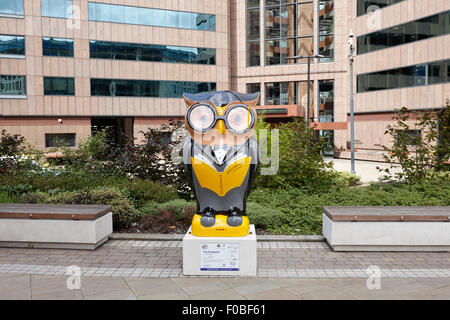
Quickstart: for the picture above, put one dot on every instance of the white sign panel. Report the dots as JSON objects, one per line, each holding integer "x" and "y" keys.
{"x": 219, "y": 256}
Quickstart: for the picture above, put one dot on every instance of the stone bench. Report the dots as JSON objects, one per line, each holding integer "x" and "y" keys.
{"x": 54, "y": 226}
{"x": 387, "y": 228}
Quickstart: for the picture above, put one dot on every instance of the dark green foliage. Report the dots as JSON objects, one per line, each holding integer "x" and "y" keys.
{"x": 443, "y": 147}
{"x": 301, "y": 164}
{"x": 123, "y": 210}
{"x": 10, "y": 149}
{"x": 300, "y": 212}
{"x": 418, "y": 154}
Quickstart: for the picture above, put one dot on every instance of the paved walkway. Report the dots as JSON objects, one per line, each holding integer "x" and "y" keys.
{"x": 366, "y": 170}
{"x": 123, "y": 269}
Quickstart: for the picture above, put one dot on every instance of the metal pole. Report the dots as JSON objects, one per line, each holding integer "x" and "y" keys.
{"x": 308, "y": 97}
{"x": 352, "y": 120}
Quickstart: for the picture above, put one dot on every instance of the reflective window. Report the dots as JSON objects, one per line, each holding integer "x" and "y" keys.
{"x": 12, "y": 45}
{"x": 366, "y": 6}
{"x": 53, "y": 140}
{"x": 253, "y": 25}
{"x": 147, "y": 88}
{"x": 13, "y": 85}
{"x": 326, "y": 29}
{"x": 151, "y": 52}
{"x": 151, "y": 17}
{"x": 288, "y": 29}
{"x": 254, "y": 87}
{"x": 412, "y": 76}
{"x": 11, "y": 7}
{"x": 57, "y": 8}
{"x": 284, "y": 93}
{"x": 424, "y": 28}
{"x": 58, "y": 86}
{"x": 57, "y": 47}
{"x": 326, "y": 113}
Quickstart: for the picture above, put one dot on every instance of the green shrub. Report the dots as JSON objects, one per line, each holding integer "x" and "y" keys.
{"x": 345, "y": 179}
{"x": 301, "y": 164}
{"x": 180, "y": 208}
{"x": 264, "y": 216}
{"x": 5, "y": 197}
{"x": 124, "y": 213}
{"x": 142, "y": 191}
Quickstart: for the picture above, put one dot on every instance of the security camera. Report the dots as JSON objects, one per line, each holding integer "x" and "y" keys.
{"x": 60, "y": 120}
{"x": 351, "y": 34}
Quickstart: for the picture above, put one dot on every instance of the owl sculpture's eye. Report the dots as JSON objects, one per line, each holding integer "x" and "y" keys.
{"x": 201, "y": 117}
{"x": 239, "y": 119}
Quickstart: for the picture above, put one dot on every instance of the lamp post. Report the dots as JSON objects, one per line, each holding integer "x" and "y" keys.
{"x": 352, "y": 120}
{"x": 309, "y": 79}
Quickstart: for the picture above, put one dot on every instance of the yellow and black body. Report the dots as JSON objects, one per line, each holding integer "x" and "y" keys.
{"x": 220, "y": 157}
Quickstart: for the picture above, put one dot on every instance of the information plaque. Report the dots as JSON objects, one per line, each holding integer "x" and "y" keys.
{"x": 219, "y": 256}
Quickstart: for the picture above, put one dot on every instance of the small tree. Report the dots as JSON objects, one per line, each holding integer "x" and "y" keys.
{"x": 301, "y": 164}
{"x": 10, "y": 148}
{"x": 414, "y": 136}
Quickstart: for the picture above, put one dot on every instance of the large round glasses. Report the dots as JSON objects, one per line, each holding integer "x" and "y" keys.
{"x": 238, "y": 118}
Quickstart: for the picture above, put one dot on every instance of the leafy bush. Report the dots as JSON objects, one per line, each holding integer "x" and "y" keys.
{"x": 124, "y": 213}
{"x": 264, "y": 216}
{"x": 345, "y": 179}
{"x": 301, "y": 164}
{"x": 180, "y": 208}
{"x": 5, "y": 197}
{"x": 10, "y": 149}
{"x": 300, "y": 212}
{"x": 142, "y": 191}
{"x": 418, "y": 154}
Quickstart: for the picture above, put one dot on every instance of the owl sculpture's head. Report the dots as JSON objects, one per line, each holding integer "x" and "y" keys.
{"x": 221, "y": 118}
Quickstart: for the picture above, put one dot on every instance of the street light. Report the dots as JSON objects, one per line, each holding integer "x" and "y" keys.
{"x": 352, "y": 120}
{"x": 309, "y": 79}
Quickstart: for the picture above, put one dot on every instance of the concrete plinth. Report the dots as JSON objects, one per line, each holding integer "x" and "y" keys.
{"x": 220, "y": 255}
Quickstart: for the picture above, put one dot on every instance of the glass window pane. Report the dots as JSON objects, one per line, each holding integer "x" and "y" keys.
{"x": 159, "y": 18}
{"x": 305, "y": 19}
{"x": 103, "y": 12}
{"x": 253, "y": 88}
{"x": 59, "y": 86}
{"x": 253, "y": 54}
{"x": 147, "y": 88}
{"x": 172, "y": 19}
{"x": 145, "y": 16}
{"x": 12, "y": 85}
{"x": 253, "y": 24}
{"x": 12, "y": 45}
{"x": 131, "y": 15}
{"x": 117, "y": 13}
{"x": 272, "y": 50}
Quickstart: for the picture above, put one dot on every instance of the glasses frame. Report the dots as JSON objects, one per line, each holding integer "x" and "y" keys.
{"x": 224, "y": 117}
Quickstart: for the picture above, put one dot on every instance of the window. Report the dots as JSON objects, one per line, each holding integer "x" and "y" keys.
{"x": 254, "y": 87}
{"x": 411, "y": 76}
{"x": 326, "y": 100}
{"x": 53, "y": 140}
{"x": 57, "y": 47}
{"x": 285, "y": 93}
{"x": 57, "y": 86}
{"x": 289, "y": 30}
{"x": 12, "y": 45}
{"x": 364, "y": 6}
{"x": 326, "y": 30}
{"x": 147, "y": 88}
{"x": 425, "y": 28}
{"x": 11, "y": 7}
{"x": 57, "y": 8}
{"x": 151, "y": 17}
{"x": 253, "y": 42}
{"x": 410, "y": 137}
{"x": 151, "y": 52}
{"x": 12, "y": 85}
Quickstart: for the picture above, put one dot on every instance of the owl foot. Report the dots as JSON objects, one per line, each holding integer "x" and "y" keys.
{"x": 234, "y": 219}
{"x": 208, "y": 219}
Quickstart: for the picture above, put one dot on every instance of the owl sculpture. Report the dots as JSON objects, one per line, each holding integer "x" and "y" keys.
{"x": 221, "y": 157}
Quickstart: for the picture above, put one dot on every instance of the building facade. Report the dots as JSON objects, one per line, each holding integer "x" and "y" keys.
{"x": 71, "y": 67}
